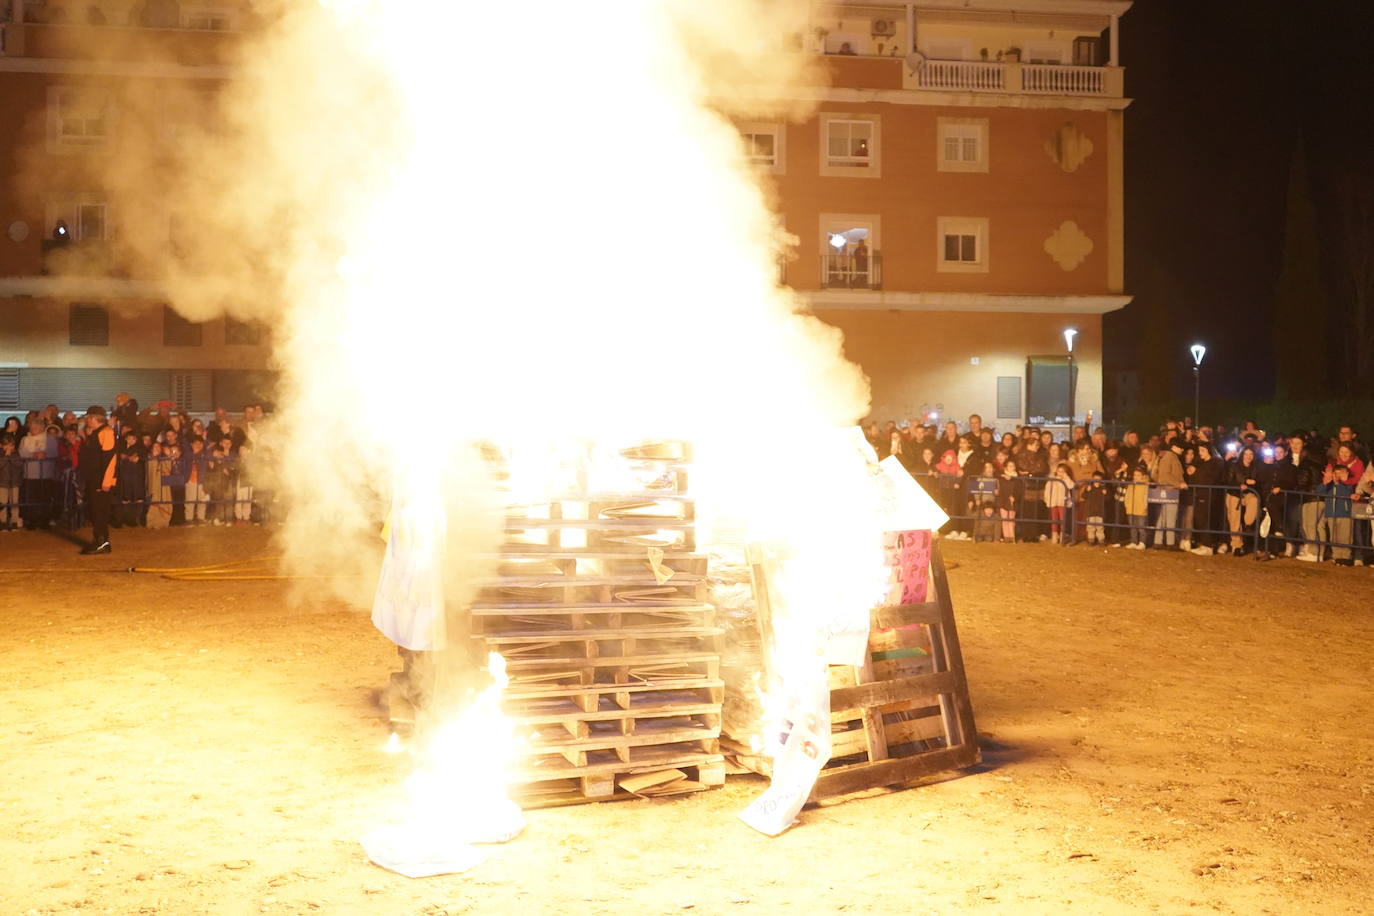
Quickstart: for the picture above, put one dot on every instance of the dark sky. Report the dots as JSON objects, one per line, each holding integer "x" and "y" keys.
{"x": 1223, "y": 90}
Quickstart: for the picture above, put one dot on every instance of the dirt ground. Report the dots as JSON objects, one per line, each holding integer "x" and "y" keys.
{"x": 1163, "y": 733}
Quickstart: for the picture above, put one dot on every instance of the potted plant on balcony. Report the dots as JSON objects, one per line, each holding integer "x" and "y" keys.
{"x": 983, "y": 52}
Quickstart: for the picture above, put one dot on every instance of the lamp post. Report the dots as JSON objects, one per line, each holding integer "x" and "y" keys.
{"x": 1069, "y": 335}
{"x": 1198, "y": 351}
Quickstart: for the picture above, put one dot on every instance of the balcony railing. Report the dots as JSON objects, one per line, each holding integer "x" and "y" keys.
{"x": 1044, "y": 79}
{"x": 1061, "y": 80}
{"x": 965, "y": 75}
{"x": 850, "y": 271}
{"x": 89, "y": 257}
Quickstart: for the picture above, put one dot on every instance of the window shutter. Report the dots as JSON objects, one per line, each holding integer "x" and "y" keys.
{"x": 178, "y": 331}
{"x": 1008, "y": 397}
{"x": 88, "y": 326}
{"x": 9, "y": 389}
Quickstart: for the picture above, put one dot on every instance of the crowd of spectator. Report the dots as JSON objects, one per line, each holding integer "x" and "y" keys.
{"x": 1206, "y": 489}
{"x": 171, "y": 468}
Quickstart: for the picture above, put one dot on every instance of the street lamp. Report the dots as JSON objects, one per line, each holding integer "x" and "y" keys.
{"x": 1198, "y": 351}
{"x": 1069, "y": 335}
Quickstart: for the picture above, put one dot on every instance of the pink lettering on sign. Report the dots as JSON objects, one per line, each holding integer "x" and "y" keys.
{"x": 908, "y": 561}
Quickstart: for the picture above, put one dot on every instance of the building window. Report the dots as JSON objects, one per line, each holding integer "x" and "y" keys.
{"x": 178, "y": 331}
{"x": 946, "y": 49}
{"x": 1044, "y": 53}
{"x": 850, "y": 256}
{"x": 962, "y": 245}
{"x": 850, "y": 146}
{"x": 764, "y": 146}
{"x": 242, "y": 333}
{"x": 88, "y": 326}
{"x": 963, "y": 145}
{"x": 90, "y": 222}
{"x": 206, "y": 19}
{"x": 79, "y": 118}
{"x": 1087, "y": 52}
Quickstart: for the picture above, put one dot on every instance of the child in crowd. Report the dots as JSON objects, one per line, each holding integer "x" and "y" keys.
{"x": 11, "y": 478}
{"x": 1011, "y": 490}
{"x": 1095, "y": 508}
{"x": 161, "y": 472}
{"x": 1057, "y": 497}
{"x": 243, "y": 485}
{"x": 217, "y": 483}
{"x": 982, "y": 503}
{"x": 947, "y": 486}
{"x": 1336, "y": 527}
{"x": 1137, "y": 505}
{"x": 131, "y": 487}
{"x": 197, "y": 495}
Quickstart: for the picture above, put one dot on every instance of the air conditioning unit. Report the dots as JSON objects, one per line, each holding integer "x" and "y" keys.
{"x": 884, "y": 27}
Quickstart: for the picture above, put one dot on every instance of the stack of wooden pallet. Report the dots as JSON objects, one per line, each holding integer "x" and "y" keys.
{"x": 610, "y": 647}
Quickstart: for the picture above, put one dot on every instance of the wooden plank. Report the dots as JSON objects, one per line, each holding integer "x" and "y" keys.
{"x": 524, "y": 610}
{"x": 893, "y": 771}
{"x": 875, "y": 731}
{"x": 575, "y": 663}
{"x": 945, "y": 642}
{"x": 901, "y": 638}
{"x": 528, "y": 523}
{"x": 611, "y": 715}
{"x": 535, "y": 691}
{"x": 644, "y": 759}
{"x": 904, "y": 615}
{"x": 648, "y": 738}
{"x": 880, "y": 693}
{"x": 504, "y": 638}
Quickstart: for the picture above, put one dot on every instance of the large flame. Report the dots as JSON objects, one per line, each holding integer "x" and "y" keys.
{"x": 470, "y": 221}
{"x": 457, "y": 797}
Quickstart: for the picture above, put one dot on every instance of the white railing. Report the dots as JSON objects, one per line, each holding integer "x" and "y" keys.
{"x": 1061, "y": 80}
{"x": 967, "y": 75}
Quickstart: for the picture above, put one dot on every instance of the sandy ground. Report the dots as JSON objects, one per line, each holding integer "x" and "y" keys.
{"x": 1163, "y": 733}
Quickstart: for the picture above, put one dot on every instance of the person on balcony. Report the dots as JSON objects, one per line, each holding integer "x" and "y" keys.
{"x": 860, "y": 263}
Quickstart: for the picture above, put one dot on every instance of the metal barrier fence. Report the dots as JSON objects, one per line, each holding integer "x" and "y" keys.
{"x": 1220, "y": 518}
{"x": 41, "y": 492}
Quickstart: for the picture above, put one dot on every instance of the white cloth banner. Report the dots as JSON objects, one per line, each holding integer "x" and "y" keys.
{"x": 409, "y": 605}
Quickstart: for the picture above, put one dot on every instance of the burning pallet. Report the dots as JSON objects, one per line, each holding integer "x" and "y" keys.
{"x": 903, "y": 714}
{"x": 610, "y": 647}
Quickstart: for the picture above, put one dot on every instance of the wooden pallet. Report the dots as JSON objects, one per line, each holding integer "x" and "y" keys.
{"x": 610, "y": 647}
{"x": 906, "y": 712}
{"x": 539, "y": 788}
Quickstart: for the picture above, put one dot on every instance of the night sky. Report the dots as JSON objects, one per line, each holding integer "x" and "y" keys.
{"x": 1224, "y": 91}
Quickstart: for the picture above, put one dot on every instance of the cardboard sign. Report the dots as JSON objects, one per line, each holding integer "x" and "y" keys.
{"x": 907, "y": 555}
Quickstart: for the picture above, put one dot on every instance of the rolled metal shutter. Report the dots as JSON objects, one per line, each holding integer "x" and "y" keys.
{"x": 9, "y": 389}
{"x": 77, "y": 389}
{"x": 193, "y": 389}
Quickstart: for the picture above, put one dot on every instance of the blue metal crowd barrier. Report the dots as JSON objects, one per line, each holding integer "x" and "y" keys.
{"x": 1312, "y": 521}
{"x": 53, "y": 495}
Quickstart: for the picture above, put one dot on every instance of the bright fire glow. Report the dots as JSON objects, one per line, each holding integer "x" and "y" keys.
{"x": 467, "y": 222}
{"x": 457, "y": 795}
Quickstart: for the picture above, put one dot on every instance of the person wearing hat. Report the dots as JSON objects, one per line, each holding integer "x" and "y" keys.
{"x": 96, "y": 465}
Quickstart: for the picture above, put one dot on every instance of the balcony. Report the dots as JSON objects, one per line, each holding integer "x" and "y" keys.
{"x": 1037, "y": 79}
{"x": 90, "y": 257}
{"x": 850, "y": 271}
